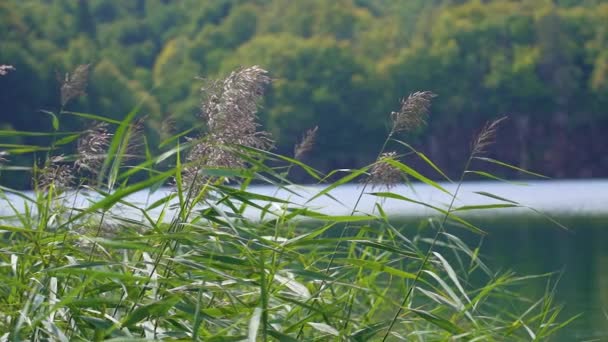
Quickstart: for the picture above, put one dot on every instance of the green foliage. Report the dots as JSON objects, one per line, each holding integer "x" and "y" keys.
{"x": 222, "y": 262}
{"x": 339, "y": 64}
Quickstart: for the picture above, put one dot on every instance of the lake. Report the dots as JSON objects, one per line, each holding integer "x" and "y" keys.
{"x": 531, "y": 245}
{"x": 518, "y": 239}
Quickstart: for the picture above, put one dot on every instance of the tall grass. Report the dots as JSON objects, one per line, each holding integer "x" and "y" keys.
{"x": 216, "y": 261}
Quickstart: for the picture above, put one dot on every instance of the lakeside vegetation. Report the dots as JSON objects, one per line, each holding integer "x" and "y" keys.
{"x": 338, "y": 64}
{"x": 107, "y": 99}
{"x": 203, "y": 270}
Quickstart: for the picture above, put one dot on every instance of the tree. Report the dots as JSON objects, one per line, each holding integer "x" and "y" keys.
{"x": 85, "y": 22}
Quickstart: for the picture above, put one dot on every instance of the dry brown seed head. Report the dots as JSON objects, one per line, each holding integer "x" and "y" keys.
{"x": 486, "y": 137}
{"x": 413, "y": 111}
{"x": 136, "y": 139}
{"x": 74, "y": 85}
{"x": 92, "y": 148}
{"x": 307, "y": 143}
{"x": 383, "y": 173}
{"x": 229, "y": 108}
{"x": 55, "y": 173}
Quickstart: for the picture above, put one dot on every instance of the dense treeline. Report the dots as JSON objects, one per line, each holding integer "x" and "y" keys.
{"x": 342, "y": 65}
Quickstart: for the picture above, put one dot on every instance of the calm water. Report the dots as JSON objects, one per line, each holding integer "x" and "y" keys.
{"x": 532, "y": 245}
{"x": 518, "y": 239}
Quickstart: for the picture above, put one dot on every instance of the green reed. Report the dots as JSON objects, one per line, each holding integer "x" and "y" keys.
{"x": 216, "y": 261}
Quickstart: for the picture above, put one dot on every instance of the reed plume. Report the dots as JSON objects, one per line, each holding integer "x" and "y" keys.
{"x": 229, "y": 108}
{"x": 56, "y": 173}
{"x": 382, "y": 173}
{"x": 307, "y": 143}
{"x": 92, "y": 148}
{"x": 413, "y": 111}
{"x": 74, "y": 85}
{"x": 136, "y": 139}
{"x": 486, "y": 136}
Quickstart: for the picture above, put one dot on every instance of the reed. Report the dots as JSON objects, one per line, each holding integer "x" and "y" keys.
{"x": 216, "y": 261}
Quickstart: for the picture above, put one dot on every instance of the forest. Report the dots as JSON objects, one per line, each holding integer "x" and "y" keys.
{"x": 341, "y": 65}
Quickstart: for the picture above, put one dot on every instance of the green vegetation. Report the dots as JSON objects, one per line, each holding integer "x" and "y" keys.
{"x": 215, "y": 262}
{"x": 337, "y": 64}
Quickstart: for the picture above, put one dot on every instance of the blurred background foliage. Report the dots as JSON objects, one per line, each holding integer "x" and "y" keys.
{"x": 339, "y": 64}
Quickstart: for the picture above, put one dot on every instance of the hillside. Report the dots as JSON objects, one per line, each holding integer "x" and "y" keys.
{"x": 342, "y": 65}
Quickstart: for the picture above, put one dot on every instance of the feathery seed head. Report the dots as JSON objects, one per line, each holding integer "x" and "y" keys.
{"x": 74, "y": 85}
{"x": 486, "y": 137}
{"x": 136, "y": 139}
{"x": 307, "y": 143}
{"x": 383, "y": 173}
{"x": 92, "y": 148}
{"x": 230, "y": 108}
{"x": 413, "y": 111}
{"x": 55, "y": 173}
